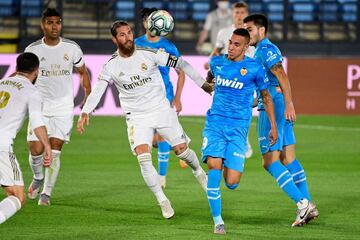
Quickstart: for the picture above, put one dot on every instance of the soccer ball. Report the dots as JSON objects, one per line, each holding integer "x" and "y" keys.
{"x": 160, "y": 23}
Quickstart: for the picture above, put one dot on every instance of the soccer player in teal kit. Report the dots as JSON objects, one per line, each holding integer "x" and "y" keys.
{"x": 228, "y": 120}
{"x": 279, "y": 159}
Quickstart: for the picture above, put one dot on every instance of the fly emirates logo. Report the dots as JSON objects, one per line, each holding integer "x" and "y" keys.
{"x": 229, "y": 83}
{"x": 137, "y": 81}
{"x": 55, "y": 71}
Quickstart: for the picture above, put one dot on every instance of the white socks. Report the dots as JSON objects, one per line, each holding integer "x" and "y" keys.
{"x": 189, "y": 156}
{"x": 51, "y": 173}
{"x": 151, "y": 176}
{"x": 36, "y": 164}
{"x": 8, "y": 207}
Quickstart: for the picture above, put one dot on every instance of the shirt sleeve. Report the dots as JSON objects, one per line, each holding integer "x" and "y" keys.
{"x": 219, "y": 40}
{"x": 164, "y": 59}
{"x": 78, "y": 60}
{"x": 261, "y": 79}
{"x": 35, "y": 113}
{"x": 208, "y": 22}
{"x": 270, "y": 57}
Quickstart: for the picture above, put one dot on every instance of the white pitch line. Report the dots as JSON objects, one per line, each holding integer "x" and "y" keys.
{"x": 302, "y": 126}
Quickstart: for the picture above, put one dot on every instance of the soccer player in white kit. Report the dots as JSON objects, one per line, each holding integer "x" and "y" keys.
{"x": 135, "y": 72}
{"x": 18, "y": 98}
{"x": 57, "y": 58}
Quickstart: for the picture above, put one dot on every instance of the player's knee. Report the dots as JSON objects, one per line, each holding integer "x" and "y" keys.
{"x": 231, "y": 186}
{"x": 36, "y": 148}
{"x": 18, "y": 193}
{"x": 22, "y": 198}
{"x": 180, "y": 148}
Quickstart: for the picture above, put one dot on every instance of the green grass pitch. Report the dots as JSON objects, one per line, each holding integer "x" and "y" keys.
{"x": 100, "y": 193}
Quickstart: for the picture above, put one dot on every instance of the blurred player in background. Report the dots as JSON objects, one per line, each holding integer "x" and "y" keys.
{"x": 240, "y": 10}
{"x": 228, "y": 120}
{"x": 279, "y": 159}
{"x": 18, "y": 99}
{"x": 58, "y": 56}
{"x": 215, "y": 20}
{"x": 157, "y": 42}
{"x": 135, "y": 73}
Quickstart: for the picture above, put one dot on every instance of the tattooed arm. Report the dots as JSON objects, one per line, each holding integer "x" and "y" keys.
{"x": 284, "y": 82}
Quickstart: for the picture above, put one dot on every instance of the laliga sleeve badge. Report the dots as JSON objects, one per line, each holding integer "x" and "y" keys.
{"x": 243, "y": 71}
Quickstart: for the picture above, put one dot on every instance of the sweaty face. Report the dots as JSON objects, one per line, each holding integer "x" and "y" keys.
{"x": 51, "y": 27}
{"x": 254, "y": 33}
{"x": 237, "y": 47}
{"x": 239, "y": 14}
{"x": 124, "y": 39}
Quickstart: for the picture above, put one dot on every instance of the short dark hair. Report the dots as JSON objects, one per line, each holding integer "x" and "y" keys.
{"x": 27, "y": 62}
{"x": 50, "y": 12}
{"x": 260, "y": 20}
{"x": 242, "y": 32}
{"x": 115, "y": 25}
{"x": 240, "y": 5}
{"x": 145, "y": 12}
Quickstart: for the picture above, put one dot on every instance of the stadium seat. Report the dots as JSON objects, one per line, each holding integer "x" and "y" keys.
{"x": 31, "y": 8}
{"x": 329, "y": 11}
{"x": 153, "y": 4}
{"x": 7, "y": 8}
{"x": 303, "y": 10}
{"x": 256, "y": 6}
{"x": 200, "y": 10}
{"x": 274, "y": 9}
{"x": 125, "y": 10}
{"x": 179, "y": 10}
{"x": 349, "y": 10}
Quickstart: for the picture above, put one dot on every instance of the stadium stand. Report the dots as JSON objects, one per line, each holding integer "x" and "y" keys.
{"x": 292, "y": 21}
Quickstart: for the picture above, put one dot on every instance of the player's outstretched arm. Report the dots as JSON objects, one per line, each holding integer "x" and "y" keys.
{"x": 269, "y": 108}
{"x": 90, "y": 104}
{"x": 284, "y": 82}
{"x": 42, "y": 135}
{"x": 194, "y": 75}
{"x": 85, "y": 82}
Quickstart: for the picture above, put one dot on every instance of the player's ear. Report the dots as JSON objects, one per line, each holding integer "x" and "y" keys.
{"x": 114, "y": 40}
{"x": 42, "y": 25}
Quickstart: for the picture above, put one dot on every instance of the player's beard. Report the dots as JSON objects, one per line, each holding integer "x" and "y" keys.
{"x": 127, "y": 50}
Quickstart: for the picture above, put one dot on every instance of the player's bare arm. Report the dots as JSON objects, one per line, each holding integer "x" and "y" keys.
{"x": 269, "y": 108}
{"x": 84, "y": 82}
{"x": 42, "y": 135}
{"x": 215, "y": 52}
{"x": 284, "y": 82}
{"x": 179, "y": 88}
{"x": 90, "y": 104}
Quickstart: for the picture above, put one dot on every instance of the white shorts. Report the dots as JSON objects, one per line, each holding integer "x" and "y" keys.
{"x": 57, "y": 126}
{"x": 141, "y": 129}
{"x": 10, "y": 172}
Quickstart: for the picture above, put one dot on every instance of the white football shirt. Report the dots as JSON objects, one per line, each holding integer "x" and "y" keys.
{"x": 55, "y": 74}
{"x": 138, "y": 80}
{"x": 222, "y": 41}
{"x": 18, "y": 99}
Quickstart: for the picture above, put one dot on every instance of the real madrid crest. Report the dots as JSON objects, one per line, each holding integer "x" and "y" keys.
{"x": 243, "y": 71}
{"x": 66, "y": 57}
{"x": 144, "y": 67}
